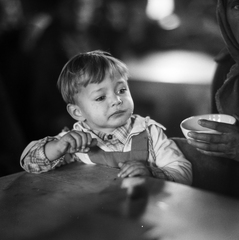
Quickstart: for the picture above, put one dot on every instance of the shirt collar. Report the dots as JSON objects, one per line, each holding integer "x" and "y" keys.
{"x": 120, "y": 133}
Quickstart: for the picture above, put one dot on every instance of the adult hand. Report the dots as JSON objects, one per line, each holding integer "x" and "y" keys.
{"x": 224, "y": 144}
{"x": 134, "y": 168}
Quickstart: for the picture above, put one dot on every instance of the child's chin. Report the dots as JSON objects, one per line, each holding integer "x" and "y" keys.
{"x": 120, "y": 124}
{"x": 120, "y": 120}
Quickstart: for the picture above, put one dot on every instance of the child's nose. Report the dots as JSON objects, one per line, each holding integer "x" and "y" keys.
{"x": 117, "y": 100}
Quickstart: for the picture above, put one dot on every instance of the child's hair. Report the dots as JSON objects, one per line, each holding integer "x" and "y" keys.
{"x": 86, "y": 68}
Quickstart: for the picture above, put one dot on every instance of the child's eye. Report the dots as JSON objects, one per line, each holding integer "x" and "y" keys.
{"x": 123, "y": 90}
{"x": 99, "y": 99}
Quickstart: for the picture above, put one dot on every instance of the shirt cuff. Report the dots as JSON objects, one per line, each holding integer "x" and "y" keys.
{"x": 161, "y": 174}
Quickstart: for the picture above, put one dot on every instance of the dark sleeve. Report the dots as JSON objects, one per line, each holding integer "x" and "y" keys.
{"x": 224, "y": 64}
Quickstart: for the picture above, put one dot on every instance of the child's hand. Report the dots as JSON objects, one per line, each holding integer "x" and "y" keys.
{"x": 134, "y": 168}
{"x": 76, "y": 141}
{"x": 73, "y": 141}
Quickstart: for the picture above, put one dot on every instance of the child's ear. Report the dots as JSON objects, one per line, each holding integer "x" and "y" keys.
{"x": 75, "y": 112}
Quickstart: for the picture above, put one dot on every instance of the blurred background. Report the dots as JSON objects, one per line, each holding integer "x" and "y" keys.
{"x": 168, "y": 45}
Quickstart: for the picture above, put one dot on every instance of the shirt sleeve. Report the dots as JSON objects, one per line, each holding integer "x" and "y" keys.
{"x": 34, "y": 160}
{"x": 166, "y": 156}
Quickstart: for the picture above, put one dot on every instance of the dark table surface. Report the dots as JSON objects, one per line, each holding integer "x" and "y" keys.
{"x": 80, "y": 201}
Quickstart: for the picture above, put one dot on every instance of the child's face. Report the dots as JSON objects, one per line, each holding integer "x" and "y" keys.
{"x": 106, "y": 105}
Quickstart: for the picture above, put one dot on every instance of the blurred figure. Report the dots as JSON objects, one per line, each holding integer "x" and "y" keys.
{"x": 224, "y": 63}
{"x": 36, "y": 39}
{"x": 225, "y": 144}
{"x": 22, "y": 25}
{"x": 66, "y": 34}
{"x": 123, "y": 28}
{"x": 33, "y": 50}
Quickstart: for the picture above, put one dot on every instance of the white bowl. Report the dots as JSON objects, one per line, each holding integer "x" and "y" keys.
{"x": 191, "y": 124}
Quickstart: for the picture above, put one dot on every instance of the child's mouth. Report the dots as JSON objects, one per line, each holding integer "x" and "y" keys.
{"x": 117, "y": 113}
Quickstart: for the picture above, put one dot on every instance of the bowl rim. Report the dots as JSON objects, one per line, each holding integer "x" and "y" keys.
{"x": 201, "y": 115}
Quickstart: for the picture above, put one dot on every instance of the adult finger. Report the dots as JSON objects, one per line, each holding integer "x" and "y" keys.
{"x": 213, "y": 154}
{"x": 210, "y": 147}
{"x": 218, "y": 126}
{"x": 209, "y": 137}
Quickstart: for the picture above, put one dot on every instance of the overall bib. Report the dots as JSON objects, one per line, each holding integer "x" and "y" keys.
{"x": 139, "y": 152}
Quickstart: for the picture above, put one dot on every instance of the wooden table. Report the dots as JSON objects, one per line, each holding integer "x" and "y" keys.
{"x": 79, "y": 201}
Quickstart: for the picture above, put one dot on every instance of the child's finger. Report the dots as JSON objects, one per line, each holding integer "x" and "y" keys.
{"x": 93, "y": 142}
{"x": 75, "y": 141}
{"x": 131, "y": 170}
{"x": 125, "y": 170}
{"x": 70, "y": 143}
{"x": 138, "y": 172}
{"x": 84, "y": 141}
{"x": 88, "y": 139}
{"x": 78, "y": 140}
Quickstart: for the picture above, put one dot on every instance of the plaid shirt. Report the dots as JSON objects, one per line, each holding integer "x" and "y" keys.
{"x": 115, "y": 140}
{"x": 165, "y": 160}
{"x": 37, "y": 156}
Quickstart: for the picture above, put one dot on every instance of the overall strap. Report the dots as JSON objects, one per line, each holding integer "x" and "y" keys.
{"x": 150, "y": 140}
{"x": 139, "y": 152}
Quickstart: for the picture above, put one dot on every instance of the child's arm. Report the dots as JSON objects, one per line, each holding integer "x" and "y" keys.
{"x": 35, "y": 160}
{"x": 168, "y": 159}
{"x": 72, "y": 142}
